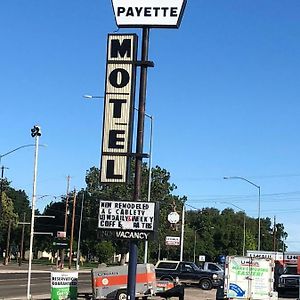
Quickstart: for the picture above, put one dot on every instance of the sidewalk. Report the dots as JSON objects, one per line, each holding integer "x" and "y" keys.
{"x": 13, "y": 267}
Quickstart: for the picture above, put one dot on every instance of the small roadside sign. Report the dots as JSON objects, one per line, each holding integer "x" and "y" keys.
{"x": 64, "y": 285}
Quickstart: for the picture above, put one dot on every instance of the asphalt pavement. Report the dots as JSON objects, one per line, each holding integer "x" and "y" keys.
{"x": 14, "y": 281}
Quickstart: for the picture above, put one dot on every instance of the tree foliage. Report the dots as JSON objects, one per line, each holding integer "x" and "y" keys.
{"x": 207, "y": 231}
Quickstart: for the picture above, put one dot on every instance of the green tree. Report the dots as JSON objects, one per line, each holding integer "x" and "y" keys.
{"x": 105, "y": 251}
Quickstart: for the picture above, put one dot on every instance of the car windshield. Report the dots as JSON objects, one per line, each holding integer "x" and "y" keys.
{"x": 290, "y": 271}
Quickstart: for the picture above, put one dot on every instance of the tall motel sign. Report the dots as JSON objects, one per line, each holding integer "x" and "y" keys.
{"x": 131, "y": 220}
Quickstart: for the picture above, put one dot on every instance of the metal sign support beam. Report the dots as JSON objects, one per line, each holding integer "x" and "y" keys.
{"x": 133, "y": 249}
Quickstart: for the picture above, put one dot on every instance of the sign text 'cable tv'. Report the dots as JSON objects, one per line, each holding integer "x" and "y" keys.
{"x": 118, "y": 107}
{"x": 130, "y": 220}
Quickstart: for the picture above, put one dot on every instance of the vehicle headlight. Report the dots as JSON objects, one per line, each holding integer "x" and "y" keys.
{"x": 215, "y": 276}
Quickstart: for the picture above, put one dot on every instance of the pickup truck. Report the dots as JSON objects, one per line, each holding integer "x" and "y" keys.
{"x": 213, "y": 267}
{"x": 289, "y": 280}
{"x": 186, "y": 273}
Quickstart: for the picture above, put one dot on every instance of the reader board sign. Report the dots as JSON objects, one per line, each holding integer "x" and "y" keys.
{"x": 129, "y": 220}
{"x": 172, "y": 240}
{"x": 150, "y": 13}
{"x": 64, "y": 285}
{"x": 118, "y": 107}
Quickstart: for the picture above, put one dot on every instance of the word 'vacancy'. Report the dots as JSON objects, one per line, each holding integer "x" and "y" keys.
{"x": 147, "y": 11}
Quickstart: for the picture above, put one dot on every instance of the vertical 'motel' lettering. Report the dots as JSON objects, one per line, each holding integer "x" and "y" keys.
{"x": 120, "y": 50}
{"x": 115, "y": 139}
{"x": 110, "y": 170}
{"x": 117, "y": 110}
{"x": 119, "y": 78}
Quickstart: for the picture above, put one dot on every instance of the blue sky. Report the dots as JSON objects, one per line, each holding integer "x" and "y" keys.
{"x": 224, "y": 94}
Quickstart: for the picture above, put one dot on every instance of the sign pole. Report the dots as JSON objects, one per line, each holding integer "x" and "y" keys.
{"x": 133, "y": 250}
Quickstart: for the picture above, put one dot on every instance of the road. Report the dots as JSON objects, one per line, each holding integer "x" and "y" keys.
{"x": 14, "y": 285}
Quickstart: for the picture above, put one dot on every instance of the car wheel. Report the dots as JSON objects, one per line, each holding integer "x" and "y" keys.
{"x": 121, "y": 295}
{"x": 205, "y": 284}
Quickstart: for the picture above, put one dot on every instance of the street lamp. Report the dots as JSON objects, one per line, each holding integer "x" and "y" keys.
{"x": 87, "y": 96}
{"x": 5, "y": 154}
{"x": 150, "y": 175}
{"x": 244, "y": 226}
{"x": 258, "y": 187}
{"x": 35, "y": 133}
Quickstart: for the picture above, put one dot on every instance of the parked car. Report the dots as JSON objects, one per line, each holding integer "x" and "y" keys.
{"x": 186, "y": 273}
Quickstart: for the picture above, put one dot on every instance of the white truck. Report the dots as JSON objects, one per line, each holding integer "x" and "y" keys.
{"x": 248, "y": 278}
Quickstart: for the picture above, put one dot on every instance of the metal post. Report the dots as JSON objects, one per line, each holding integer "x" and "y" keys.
{"x": 62, "y": 254}
{"x": 5, "y": 261}
{"x": 1, "y": 188}
{"x": 72, "y": 231}
{"x": 258, "y": 187}
{"x": 22, "y": 240}
{"x": 7, "y": 253}
{"x": 79, "y": 233}
{"x": 37, "y": 135}
{"x": 195, "y": 239}
{"x": 133, "y": 249}
{"x": 149, "y": 178}
{"x": 258, "y": 244}
{"x": 244, "y": 238}
{"x": 182, "y": 233}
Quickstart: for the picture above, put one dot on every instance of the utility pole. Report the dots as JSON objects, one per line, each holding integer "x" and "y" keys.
{"x": 22, "y": 240}
{"x": 62, "y": 257}
{"x": 274, "y": 234}
{"x": 79, "y": 233}
{"x": 6, "y": 259}
{"x": 72, "y": 230}
{"x": 7, "y": 252}
{"x": 1, "y": 189}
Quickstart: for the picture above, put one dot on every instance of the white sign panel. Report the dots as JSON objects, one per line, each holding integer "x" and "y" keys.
{"x": 173, "y": 217}
{"x": 151, "y": 13}
{"x": 277, "y": 256}
{"x": 127, "y": 216}
{"x": 118, "y": 108}
{"x": 61, "y": 234}
{"x": 201, "y": 257}
{"x": 172, "y": 240}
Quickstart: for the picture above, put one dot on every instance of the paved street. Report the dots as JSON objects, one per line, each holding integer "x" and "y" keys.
{"x": 13, "y": 284}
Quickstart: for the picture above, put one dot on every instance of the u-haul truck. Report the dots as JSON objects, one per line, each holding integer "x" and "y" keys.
{"x": 249, "y": 278}
{"x": 111, "y": 282}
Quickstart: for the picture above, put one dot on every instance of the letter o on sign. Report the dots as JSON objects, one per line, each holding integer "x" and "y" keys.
{"x": 119, "y": 78}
